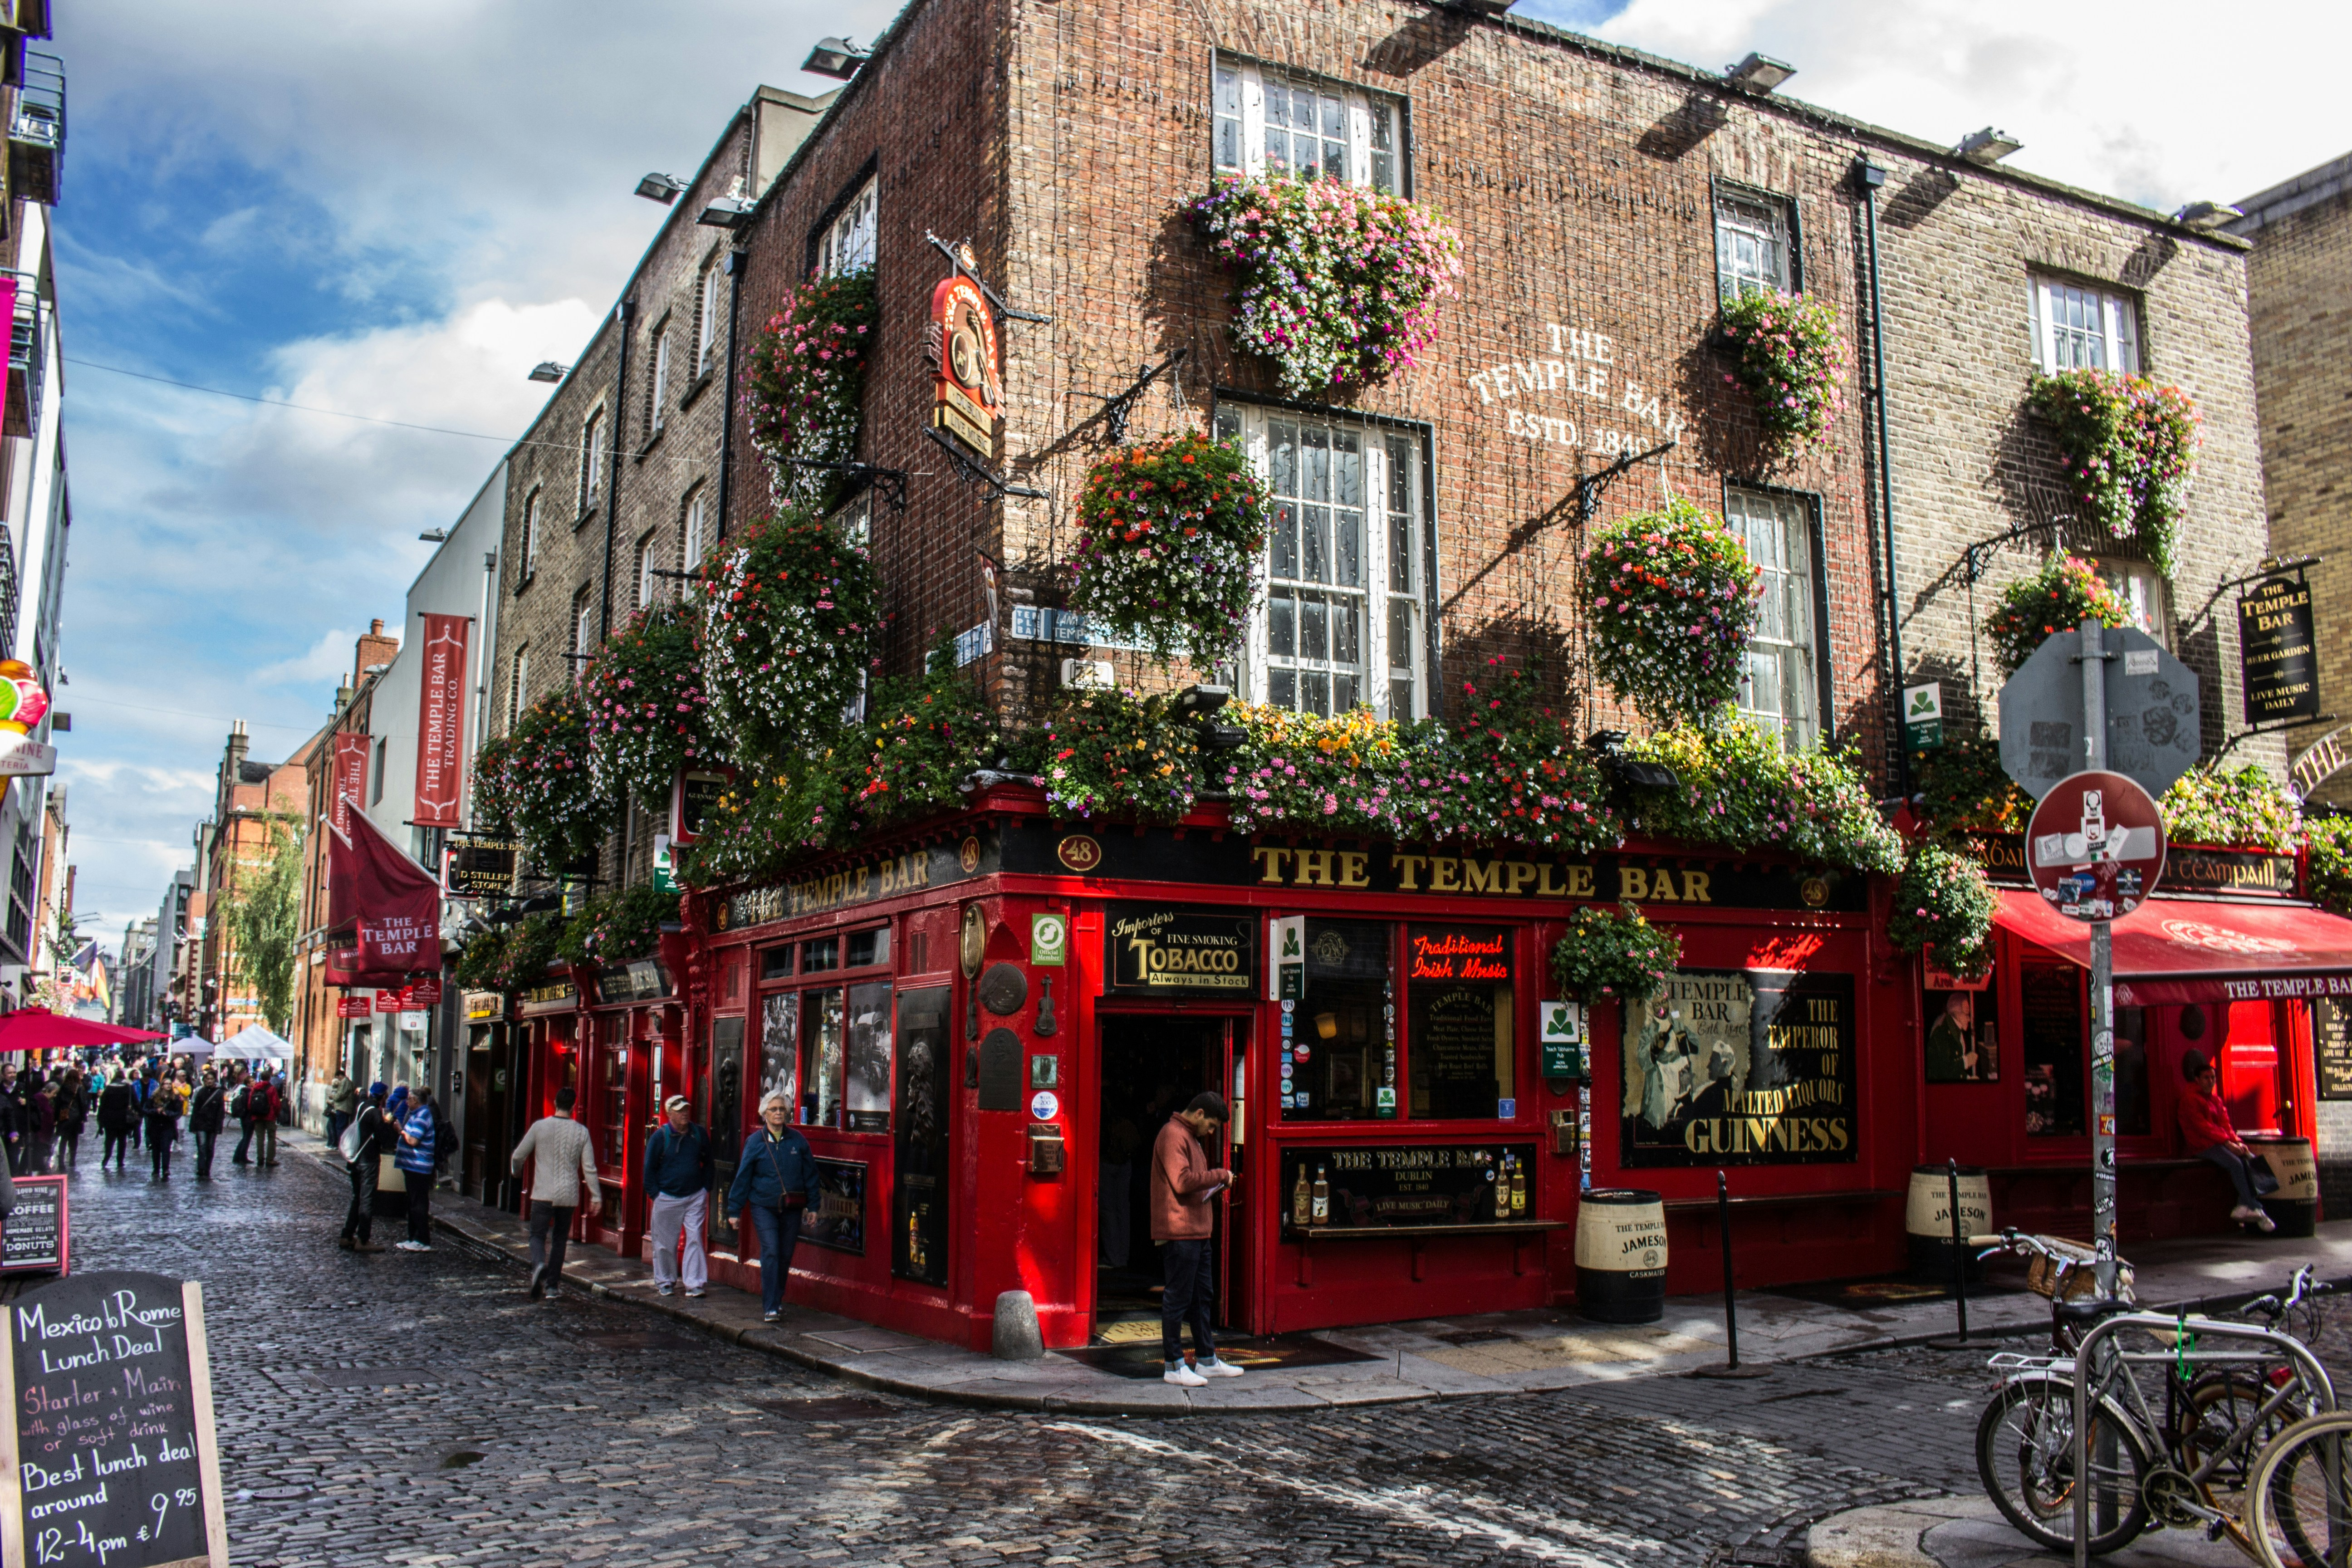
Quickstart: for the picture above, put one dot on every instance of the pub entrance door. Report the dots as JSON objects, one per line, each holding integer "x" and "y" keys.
{"x": 1152, "y": 1066}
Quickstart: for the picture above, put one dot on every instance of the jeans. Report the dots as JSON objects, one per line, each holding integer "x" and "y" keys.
{"x": 159, "y": 1150}
{"x": 266, "y": 1152}
{"x": 359, "y": 1225}
{"x": 1188, "y": 1269}
{"x": 551, "y": 1231}
{"x": 2241, "y": 1169}
{"x": 671, "y": 1216}
{"x": 779, "y": 1234}
{"x": 420, "y": 1206}
{"x": 245, "y": 1142}
{"x": 205, "y": 1141}
{"x": 336, "y": 1122}
{"x": 117, "y": 1145}
{"x": 68, "y": 1147}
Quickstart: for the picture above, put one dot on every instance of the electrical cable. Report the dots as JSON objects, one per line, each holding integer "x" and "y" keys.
{"x": 279, "y": 402}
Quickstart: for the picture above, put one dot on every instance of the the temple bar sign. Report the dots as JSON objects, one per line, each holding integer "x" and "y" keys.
{"x": 2277, "y": 651}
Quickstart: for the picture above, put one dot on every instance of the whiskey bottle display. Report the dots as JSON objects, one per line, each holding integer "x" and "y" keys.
{"x": 1321, "y": 1210}
{"x": 1300, "y": 1199}
{"x": 1503, "y": 1188}
{"x": 1518, "y": 1188}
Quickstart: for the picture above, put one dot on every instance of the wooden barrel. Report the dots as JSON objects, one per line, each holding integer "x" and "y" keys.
{"x": 2294, "y": 1208}
{"x": 1928, "y": 1220}
{"x": 1621, "y": 1256}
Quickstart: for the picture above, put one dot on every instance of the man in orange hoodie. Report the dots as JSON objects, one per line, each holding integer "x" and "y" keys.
{"x": 1183, "y": 1184}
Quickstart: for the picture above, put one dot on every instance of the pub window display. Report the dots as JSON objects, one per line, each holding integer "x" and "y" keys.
{"x": 865, "y": 1091}
{"x": 1740, "y": 1067}
{"x": 1460, "y": 1048}
{"x": 1964, "y": 1034}
{"x": 1338, "y": 1044}
{"x": 822, "y": 1055}
{"x": 2051, "y": 1006}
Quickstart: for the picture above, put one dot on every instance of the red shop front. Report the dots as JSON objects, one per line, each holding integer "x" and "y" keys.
{"x": 982, "y": 1024}
{"x": 2225, "y": 961}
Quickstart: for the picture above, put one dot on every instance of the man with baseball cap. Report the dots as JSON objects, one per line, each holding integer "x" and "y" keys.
{"x": 678, "y": 1169}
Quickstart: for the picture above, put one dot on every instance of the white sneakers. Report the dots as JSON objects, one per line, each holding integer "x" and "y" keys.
{"x": 2255, "y": 1217}
{"x": 1184, "y": 1374}
{"x": 412, "y": 1247}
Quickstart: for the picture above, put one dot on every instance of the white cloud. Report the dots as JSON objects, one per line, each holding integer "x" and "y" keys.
{"x": 326, "y": 660}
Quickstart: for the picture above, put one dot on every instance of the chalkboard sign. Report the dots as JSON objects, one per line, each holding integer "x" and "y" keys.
{"x": 107, "y": 1456}
{"x": 35, "y": 1237}
{"x": 1407, "y": 1184}
{"x": 2331, "y": 1040}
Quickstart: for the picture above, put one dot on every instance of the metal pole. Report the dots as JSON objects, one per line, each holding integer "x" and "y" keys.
{"x": 1730, "y": 1309}
{"x": 1959, "y": 1247}
{"x": 2102, "y": 987}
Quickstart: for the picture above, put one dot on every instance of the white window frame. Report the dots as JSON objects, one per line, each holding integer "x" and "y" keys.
{"x": 1391, "y": 671}
{"x": 519, "y": 688}
{"x": 658, "y": 412}
{"x": 855, "y": 518}
{"x": 591, "y": 458}
{"x": 530, "y": 535}
{"x": 645, "y": 578}
{"x": 706, "y": 309}
{"x": 2141, "y": 588}
{"x": 848, "y": 241}
{"x": 1237, "y": 124}
{"x": 584, "y": 607}
{"x": 1778, "y": 528}
{"x": 2080, "y": 326}
{"x": 1752, "y": 218}
{"x": 692, "y": 536}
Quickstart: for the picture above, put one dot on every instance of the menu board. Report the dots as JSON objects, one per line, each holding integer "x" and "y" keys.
{"x": 918, "y": 1212}
{"x": 2331, "y": 1042}
{"x": 1407, "y": 1184}
{"x": 108, "y": 1453}
{"x": 35, "y": 1238}
{"x": 835, "y": 1216}
{"x": 1739, "y": 1068}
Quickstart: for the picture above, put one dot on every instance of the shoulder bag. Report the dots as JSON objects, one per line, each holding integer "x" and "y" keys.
{"x": 790, "y": 1202}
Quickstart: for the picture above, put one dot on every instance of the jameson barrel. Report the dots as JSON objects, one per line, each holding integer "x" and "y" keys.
{"x": 1621, "y": 1256}
{"x": 2294, "y": 1208}
{"x": 1928, "y": 1219}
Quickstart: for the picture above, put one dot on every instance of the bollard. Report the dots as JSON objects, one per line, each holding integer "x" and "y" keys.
{"x": 1959, "y": 1265}
{"x": 1731, "y": 1367}
{"x": 1016, "y": 1335}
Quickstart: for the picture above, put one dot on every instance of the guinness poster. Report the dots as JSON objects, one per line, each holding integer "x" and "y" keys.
{"x": 1150, "y": 949}
{"x": 2277, "y": 653}
{"x": 1740, "y": 1067}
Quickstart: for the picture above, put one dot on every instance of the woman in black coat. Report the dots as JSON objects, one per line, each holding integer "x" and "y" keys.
{"x": 164, "y": 1107}
{"x": 117, "y": 1113}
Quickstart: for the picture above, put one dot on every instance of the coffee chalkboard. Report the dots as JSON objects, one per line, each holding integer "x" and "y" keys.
{"x": 35, "y": 1237}
{"x": 107, "y": 1456}
{"x": 2331, "y": 1040}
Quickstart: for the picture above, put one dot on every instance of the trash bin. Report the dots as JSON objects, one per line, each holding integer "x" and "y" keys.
{"x": 1928, "y": 1220}
{"x": 2294, "y": 1208}
{"x": 1621, "y": 1256}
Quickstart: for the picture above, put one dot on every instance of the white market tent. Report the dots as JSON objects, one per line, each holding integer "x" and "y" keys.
{"x": 254, "y": 1043}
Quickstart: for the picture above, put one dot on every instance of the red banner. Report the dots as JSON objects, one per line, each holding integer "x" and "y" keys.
{"x": 411, "y": 998}
{"x": 441, "y": 723}
{"x": 352, "y": 1007}
{"x": 393, "y": 903}
{"x": 350, "y": 780}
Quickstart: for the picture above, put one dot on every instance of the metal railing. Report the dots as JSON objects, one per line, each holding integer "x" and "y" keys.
{"x": 40, "y": 117}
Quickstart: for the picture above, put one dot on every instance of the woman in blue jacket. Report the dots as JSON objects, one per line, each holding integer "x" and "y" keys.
{"x": 772, "y": 1182}
{"x": 416, "y": 1157}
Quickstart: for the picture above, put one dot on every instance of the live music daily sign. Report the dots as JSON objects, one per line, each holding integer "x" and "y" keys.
{"x": 107, "y": 1455}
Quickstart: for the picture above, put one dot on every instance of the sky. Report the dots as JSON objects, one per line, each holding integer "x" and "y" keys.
{"x": 397, "y": 211}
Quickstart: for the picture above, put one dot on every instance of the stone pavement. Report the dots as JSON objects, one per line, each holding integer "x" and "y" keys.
{"x": 1968, "y": 1533}
{"x": 1463, "y": 1357}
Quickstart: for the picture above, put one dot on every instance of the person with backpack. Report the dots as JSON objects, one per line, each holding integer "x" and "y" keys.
{"x": 73, "y": 1114}
{"x": 207, "y": 1111}
{"x": 374, "y": 1141}
{"x": 678, "y": 1167}
{"x": 142, "y": 1089}
{"x": 263, "y": 1103}
{"x": 240, "y": 1105}
{"x": 162, "y": 1118}
{"x": 415, "y": 1155}
{"x": 343, "y": 1104}
{"x": 118, "y": 1112}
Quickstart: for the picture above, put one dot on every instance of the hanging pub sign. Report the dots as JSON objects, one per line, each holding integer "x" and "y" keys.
{"x": 356, "y": 1004}
{"x": 1154, "y": 951}
{"x": 968, "y": 396}
{"x": 1740, "y": 1067}
{"x": 697, "y": 791}
{"x": 478, "y": 866}
{"x": 441, "y": 722}
{"x": 2278, "y": 653}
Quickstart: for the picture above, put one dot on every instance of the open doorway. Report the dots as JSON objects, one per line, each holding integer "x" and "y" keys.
{"x": 1152, "y": 1066}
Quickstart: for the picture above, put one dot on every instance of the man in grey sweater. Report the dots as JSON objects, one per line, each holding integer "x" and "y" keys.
{"x": 564, "y": 1159}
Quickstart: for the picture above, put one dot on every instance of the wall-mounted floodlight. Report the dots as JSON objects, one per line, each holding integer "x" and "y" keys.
{"x": 1759, "y": 73}
{"x": 727, "y": 212}
{"x": 835, "y": 57}
{"x": 1987, "y": 147}
{"x": 434, "y": 536}
{"x": 548, "y": 370}
{"x": 662, "y": 188}
{"x": 2207, "y": 216}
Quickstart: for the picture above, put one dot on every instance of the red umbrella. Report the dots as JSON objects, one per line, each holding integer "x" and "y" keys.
{"x": 39, "y": 1029}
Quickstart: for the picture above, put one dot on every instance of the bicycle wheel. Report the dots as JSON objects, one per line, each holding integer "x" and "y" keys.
{"x": 2218, "y": 1406}
{"x": 2301, "y": 1508}
{"x": 2025, "y": 1459}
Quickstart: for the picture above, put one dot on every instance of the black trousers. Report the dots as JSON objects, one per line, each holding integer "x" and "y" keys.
{"x": 159, "y": 1151}
{"x": 1190, "y": 1271}
{"x": 245, "y": 1142}
{"x": 205, "y": 1141}
{"x": 420, "y": 1206}
{"x": 359, "y": 1225}
{"x": 551, "y": 1231}
{"x": 118, "y": 1146}
{"x": 69, "y": 1148}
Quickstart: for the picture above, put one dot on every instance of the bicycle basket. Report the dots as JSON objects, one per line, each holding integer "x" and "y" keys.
{"x": 2069, "y": 1276}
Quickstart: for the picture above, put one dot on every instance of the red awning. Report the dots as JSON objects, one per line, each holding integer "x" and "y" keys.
{"x": 2186, "y": 950}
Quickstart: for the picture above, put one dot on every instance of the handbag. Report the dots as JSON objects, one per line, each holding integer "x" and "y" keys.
{"x": 791, "y": 1201}
{"x": 389, "y": 1177}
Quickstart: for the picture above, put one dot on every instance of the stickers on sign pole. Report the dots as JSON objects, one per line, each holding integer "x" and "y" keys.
{"x": 2095, "y": 846}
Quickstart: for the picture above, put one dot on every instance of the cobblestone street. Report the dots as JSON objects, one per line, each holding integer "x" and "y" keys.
{"x": 408, "y": 1408}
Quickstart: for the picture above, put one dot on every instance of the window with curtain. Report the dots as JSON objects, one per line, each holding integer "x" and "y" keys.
{"x": 710, "y": 316}
{"x": 1751, "y": 245}
{"x": 1271, "y": 124}
{"x": 692, "y": 541}
{"x": 2079, "y": 327}
{"x": 848, "y": 241}
{"x": 1781, "y": 686}
{"x": 530, "y": 563}
{"x": 645, "y": 578}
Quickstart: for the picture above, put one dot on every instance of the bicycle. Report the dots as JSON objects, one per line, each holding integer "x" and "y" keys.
{"x": 2225, "y": 1415}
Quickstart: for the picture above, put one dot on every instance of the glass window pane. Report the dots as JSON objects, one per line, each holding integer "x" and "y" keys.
{"x": 1314, "y": 628}
{"x": 776, "y": 964}
{"x": 1315, "y": 694}
{"x": 867, "y": 948}
{"x": 1401, "y": 638}
{"x": 779, "y": 1048}
{"x": 1229, "y": 425}
{"x": 1282, "y": 625}
{"x": 1229, "y": 92}
{"x": 816, "y": 957}
{"x": 1281, "y": 456}
{"x": 1277, "y": 142}
{"x": 1229, "y": 143}
{"x": 1346, "y": 469}
{"x": 1334, "y": 161}
{"x": 1335, "y": 119}
{"x": 1284, "y": 537}
{"x": 1347, "y": 632}
{"x": 1338, "y": 1058}
{"x": 1401, "y": 706}
{"x": 1348, "y": 547}
{"x": 866, "y": 1087}
{"x": 821, "y": 1053}
{"x": 1316, "y": 544}
{"x": 1315, "y": 464}
{"x": 1458, "y": 1035}
{"x": 1282, "y": 689}
{"x": 1343, "y": 693}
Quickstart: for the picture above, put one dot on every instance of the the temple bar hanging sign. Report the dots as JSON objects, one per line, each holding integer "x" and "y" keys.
{"x": 961, "y": 341}
{"x": 2278, "y": 652}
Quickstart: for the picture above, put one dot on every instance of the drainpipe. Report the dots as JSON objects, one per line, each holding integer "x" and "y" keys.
{"x": 736, "y": 257}
{"x": 613, "y": 479}
{"x": 1870, "y": 176}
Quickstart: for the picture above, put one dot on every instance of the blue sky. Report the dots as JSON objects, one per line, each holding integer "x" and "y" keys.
{"x": 398, "y": 210}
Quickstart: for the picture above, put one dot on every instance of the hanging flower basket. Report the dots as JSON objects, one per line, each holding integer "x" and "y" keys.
{"x": 2130, "y": 451}
{"x": 1673, "y": 601}
{"x": 1615, "y": 952}
{"x": 1966, "y": 790}
{"x": 616, "y": 927}
{"x": 2067, "y": 591}
{"x": 1793, "y": 358}
{"x": 804, "y": 385}
{"x": 1736, "y": 786}
{"x": 1337, "y": 285}
{"x": 546, "y": 787}
{"x": 790, "y": 619}
{"x": 2239, "y": 809}
{"x": 1943, "y": 903}
{"x": 1121, "y": 754}
{"x": 647, "y": 716}
{"x": 2328, "y": 869}
{"x": 1170, "y": 532}
{"x": 924, "y": 739}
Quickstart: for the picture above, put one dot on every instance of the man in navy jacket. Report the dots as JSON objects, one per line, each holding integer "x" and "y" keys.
{"x": 677, "y": 1177}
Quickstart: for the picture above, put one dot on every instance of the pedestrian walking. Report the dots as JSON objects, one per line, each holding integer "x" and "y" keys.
{"x": 415, "y": 1156}
{"x": 261, "y": 1103}
{"x": 162, "y": 1130}
{"x": 73, "y": 1114}
{"x": 2207, "y": 1132}
{"x": 117, "y": 1113}
{"x": 44, "y": 1113}
{"x": 143, "y": 1087}
{"x": 375, "y": 1139}
{"x": 343, "y": 1104}
{"x": 240, "y": 1105}
{"x": 772, "y": 1186}
{"x": 562, "y": 1161}
{"x": 678, "y": 1169}
{"x": 1182, "y": 1223}
{"x": 207, "y": 1111}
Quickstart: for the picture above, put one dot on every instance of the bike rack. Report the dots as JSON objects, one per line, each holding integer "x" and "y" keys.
{"x": 2078, "y": 1439}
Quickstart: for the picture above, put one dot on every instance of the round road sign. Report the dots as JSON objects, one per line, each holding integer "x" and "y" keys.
{"x": 2095, "y": 846}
